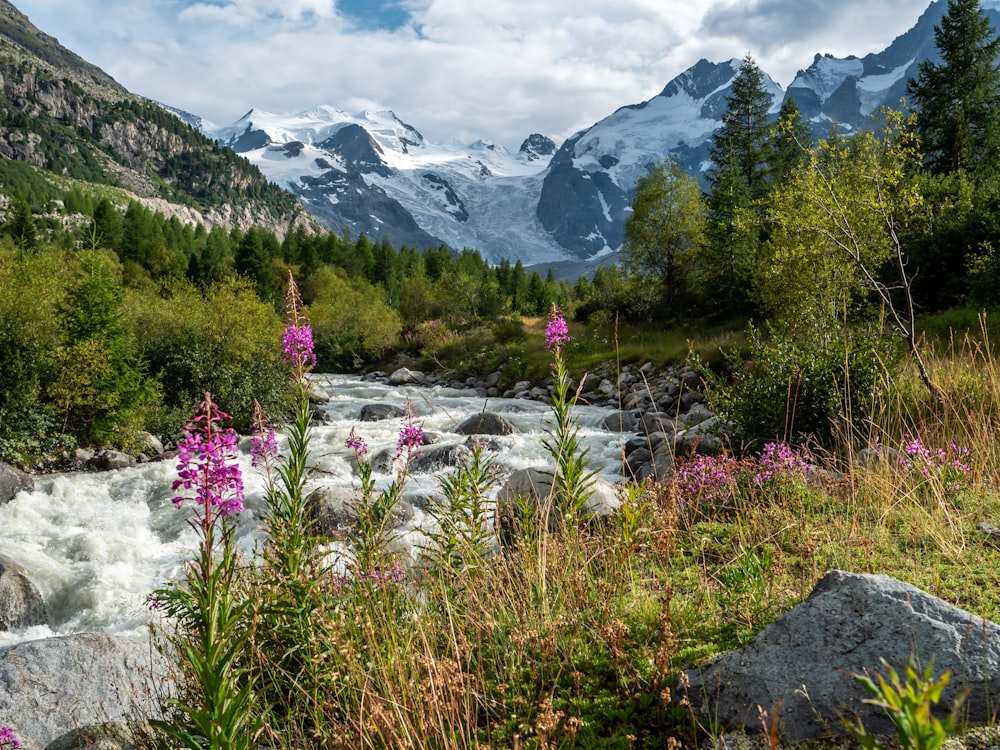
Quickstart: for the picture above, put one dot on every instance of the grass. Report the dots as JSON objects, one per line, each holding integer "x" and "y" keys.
{"x": 576, "y": 639}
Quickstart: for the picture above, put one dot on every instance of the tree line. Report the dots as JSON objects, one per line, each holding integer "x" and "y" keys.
{"x": 923, "y": 177}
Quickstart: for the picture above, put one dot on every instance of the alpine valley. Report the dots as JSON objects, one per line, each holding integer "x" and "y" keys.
{"x": 562, "y": 206}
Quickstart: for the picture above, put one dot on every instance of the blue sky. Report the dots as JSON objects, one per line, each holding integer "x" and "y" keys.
{"x": 375, "y": 14}
{"x": 463, "y": 69}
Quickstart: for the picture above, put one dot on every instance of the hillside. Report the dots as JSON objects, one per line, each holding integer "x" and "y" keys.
{"x": 68, "y": 118}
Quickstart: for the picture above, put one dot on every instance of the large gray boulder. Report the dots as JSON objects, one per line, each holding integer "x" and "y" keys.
{"x": 378, "y": 412}
{"x": 535, "y": 486}
{"x": 406, "y": 376}
{"x": 21, "y": 604}
{"x": 332, "y": 511}
{"x": 13, "y": 481}
{"x": 54, "y": 689}
{"x": 804, "y": 661}
{"x": 486, "y": 423}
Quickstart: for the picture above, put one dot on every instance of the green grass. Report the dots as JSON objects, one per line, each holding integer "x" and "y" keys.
{"x": 576, "y": 638}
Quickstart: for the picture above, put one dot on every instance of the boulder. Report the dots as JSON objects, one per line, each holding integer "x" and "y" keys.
{"x": 55, "y": 691}
{"x": 152, "y": 444}
{"x": 13, "y": 481}
{"x": 804, "y": 661}
{"x": 486, "y": 423}
{"x": 378, "y": 412}
{"x": 405, "y": 376}
{"x": 21, "y": 604}
{"x": 440, "y": 457}
{"x": 318, "y": 394}
{"x": 333, "y": 511}
{"x": 623, "y": 421}
{"x": 112, "y": 460}
{"x": 535, "y": 485}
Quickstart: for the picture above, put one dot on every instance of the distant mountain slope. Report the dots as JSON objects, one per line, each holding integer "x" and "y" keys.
{"x": 64, "y": 115}
{"x": 374, "y": 173}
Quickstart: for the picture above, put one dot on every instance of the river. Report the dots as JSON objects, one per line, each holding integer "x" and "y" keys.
{"x": 97, "y": 544}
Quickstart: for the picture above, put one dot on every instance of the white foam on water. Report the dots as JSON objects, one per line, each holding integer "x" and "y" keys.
{"x": 96, "y": 545}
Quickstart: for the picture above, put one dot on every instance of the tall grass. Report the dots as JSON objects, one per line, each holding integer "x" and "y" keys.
{"x": 575, "y": 638}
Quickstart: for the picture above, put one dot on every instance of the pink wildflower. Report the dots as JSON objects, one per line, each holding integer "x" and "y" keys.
{"x": 7, "y": 739}
{"x": 263, "y": 443}
{"x": 556, "y": 332}
{"x": 297, "y": 340}
{"x": 411, "y": 435}
{"x": 356, "y": 443}
{"x": 207, "y": 463}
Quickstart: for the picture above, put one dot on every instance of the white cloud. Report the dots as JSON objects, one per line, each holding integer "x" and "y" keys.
{"x": 495, "y": 69}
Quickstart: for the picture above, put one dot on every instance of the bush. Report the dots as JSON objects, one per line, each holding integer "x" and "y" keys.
{"x": 221, "y": 342}
{"x": 351, "y": 323}
{"x": 797, "y": 386}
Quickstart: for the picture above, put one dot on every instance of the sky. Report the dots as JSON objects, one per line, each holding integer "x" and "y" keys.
{"x": 496, "y": 70}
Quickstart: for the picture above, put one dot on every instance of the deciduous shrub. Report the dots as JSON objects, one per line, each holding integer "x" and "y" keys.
{"x": 802, "y": 384}
{"x": 219, "y": 341}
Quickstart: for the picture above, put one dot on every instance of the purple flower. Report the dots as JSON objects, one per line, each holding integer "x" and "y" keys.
{"x": 377, "y": 577}
{"x": 7, "y": 739}
{"x": 263, "y": 443}
{"x": 703, "y": 476}
{"x": 778, "y": 459}
{"x": 297, "y": 340}
{"x": 556, "y": 332}
{"x": 411, "y": 435}
{"x": 356, "y": 443}
{"x": 207, "y": 463}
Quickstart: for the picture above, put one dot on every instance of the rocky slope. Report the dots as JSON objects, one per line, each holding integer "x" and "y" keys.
{"x": 68, "y": 118}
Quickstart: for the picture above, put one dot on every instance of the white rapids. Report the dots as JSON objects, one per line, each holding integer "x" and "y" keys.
{"x": 96, "y": 545}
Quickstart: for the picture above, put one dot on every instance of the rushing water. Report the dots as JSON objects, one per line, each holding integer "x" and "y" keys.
{"x": 97, "y": 544}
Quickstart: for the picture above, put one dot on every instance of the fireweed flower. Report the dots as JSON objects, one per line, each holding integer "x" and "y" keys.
{"x": 207, "y": 463}
{"x": 263, "y": 442}
{"x": 7, "y": 739}
{"x": 778, "y": 459}
{"x": 356, "y": 443}
{"x": 411, "y": 435}
{"x": 297, "y": 340}
{"x": 705, "y": 476}
{"x": 556, "y": 332}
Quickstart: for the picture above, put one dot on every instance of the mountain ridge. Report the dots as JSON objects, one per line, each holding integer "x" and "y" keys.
{"x": 570, "y": 205}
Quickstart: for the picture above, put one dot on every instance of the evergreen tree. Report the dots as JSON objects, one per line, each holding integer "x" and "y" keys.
{"x": 790, "y": 140}
{"x": 21, "y": 226}
{"x": 739, "y": 180}
{"x": 742, "y": 143}
{"x": 958, "y": 99}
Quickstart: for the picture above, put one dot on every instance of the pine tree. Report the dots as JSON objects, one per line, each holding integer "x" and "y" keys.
{"x": 738, "y": 181}
{"x": 958, "y": 99}
{"x": 743, "y": 140}
{"x": 790, "y": 141}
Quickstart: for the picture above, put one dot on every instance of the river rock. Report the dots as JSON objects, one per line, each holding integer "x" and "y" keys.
{"x": 805, "y": 660}
{"x": 53, "y": 691}
{"x": 21, "y": 604}
{"x": 486, "y": 423}
{"x": 152, "y": 444}
{"x": 333, "y": 511}
{"x": 378, "y": 412}
{"x": 405, "y": 376}
{"x": 439, "y": 457}
{"x": 535, "y": 485}
{"x": 623, "y": 421}
{"x": 111, "y": 460}
{"x": 12, "y": 481}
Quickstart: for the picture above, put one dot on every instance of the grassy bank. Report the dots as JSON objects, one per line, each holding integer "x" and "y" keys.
{"x": 576, "y": 638}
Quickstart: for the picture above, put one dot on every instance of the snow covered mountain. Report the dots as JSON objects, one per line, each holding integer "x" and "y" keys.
{"x": 372, "y": 172}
